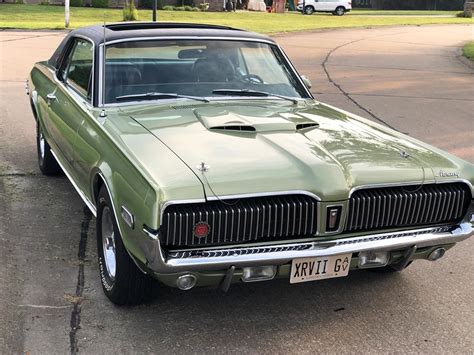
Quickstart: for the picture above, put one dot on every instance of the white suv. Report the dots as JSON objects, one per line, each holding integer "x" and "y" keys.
{"x": 336, "y": 7}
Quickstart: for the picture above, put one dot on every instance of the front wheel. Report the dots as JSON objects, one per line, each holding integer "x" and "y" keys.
{"x": 339, "y": 11}
{"x": 308, "y": 10}
{"x": 123, "y": 283}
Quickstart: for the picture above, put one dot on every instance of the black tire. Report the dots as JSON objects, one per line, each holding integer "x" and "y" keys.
{"x": 308, "y": 10}
{"x": 46, "y": 161}
{"x": 340, "y": 10}
{"x": 128, "y": 285}
{"x": 388, "y": 269}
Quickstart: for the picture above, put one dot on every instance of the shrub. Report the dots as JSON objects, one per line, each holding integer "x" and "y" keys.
{"x": 188, "y": 8}
{"x": 178, "y": 8}
{"x": 130, "y": 12}
{"x": 76, "y": 3}
{"x": 196, "y": 9}
{"x": 168, "y": 8}
{"x": 100, "y": 3}
{"x": 460, "y": 14}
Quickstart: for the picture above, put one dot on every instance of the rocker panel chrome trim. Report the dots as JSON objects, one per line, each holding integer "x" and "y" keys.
{"x": 84, "y": 198}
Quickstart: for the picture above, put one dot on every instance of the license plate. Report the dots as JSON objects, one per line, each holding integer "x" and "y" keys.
{"x": 326, "y": 267}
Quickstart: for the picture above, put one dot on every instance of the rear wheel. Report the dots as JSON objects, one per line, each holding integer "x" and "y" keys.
{"x": 340, "y": 10}
{"x": 308, "y": 10}
{"x": 46, "y": 161}
{"x": 123, "y": 283}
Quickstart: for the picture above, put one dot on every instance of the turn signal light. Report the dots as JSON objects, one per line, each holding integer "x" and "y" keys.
{"x": 258, "y": 273}
{"x": 333, "y": 218}
{"x": 371, "y": 258}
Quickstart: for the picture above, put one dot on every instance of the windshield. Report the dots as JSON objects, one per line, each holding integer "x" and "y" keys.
{"x": 139, "y": 70}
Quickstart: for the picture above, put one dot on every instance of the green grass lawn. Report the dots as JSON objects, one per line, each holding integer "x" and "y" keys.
{"x": 52, "y": 17}
{"x": 402, "y": 12}
{"x": 468, "y": 51}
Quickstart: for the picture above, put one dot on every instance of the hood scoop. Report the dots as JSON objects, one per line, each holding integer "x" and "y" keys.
{"x": 221, "y": 120}
{"x": 235, "y": 127}
{"x": 306, "y": 125}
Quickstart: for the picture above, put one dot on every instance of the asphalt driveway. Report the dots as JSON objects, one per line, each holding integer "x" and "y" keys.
{"x": 51, "y": 301}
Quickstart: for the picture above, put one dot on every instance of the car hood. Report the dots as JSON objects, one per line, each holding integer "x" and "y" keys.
{"x": 267, "y": 146}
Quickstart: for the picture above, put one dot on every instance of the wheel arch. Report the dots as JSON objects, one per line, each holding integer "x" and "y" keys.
{"x": 99, "y": 180}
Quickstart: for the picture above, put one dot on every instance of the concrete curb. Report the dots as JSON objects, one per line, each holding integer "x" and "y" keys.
{"x": 467, "y": 62}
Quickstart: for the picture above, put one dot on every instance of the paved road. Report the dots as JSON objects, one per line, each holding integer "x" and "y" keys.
{"x": 408, "y": 77}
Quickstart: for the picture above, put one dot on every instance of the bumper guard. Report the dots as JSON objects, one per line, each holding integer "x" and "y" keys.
{"x": 162, "y": 262}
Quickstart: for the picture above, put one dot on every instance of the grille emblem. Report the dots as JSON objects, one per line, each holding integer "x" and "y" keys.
{"x": 201, "y": 230}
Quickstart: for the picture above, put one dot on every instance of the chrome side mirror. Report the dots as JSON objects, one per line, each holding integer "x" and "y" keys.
{"x": 306, "y": 81}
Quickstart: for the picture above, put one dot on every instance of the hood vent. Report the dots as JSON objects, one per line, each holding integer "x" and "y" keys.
{"x": 243, "y": 128}
{"x": 306, "y": 125}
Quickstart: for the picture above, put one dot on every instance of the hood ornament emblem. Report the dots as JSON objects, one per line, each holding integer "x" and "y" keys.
{"x": 203, "y": 167}
{"x": 404, "y": 154}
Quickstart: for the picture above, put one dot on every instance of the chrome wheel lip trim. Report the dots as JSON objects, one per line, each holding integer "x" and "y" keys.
{"x": 41, "y": 145}
{"x": 108, "y": 243}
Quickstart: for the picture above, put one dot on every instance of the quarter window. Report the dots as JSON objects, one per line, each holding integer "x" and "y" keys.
{"x": 80, "y": 67}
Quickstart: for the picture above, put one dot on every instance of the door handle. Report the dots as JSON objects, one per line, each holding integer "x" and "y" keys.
{"x": 51, "y": 96}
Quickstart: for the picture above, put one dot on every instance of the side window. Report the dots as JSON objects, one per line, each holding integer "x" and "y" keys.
{"x": 79, "y": 67}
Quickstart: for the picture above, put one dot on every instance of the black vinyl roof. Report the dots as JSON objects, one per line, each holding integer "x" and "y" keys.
{"x": 123, "y": 30}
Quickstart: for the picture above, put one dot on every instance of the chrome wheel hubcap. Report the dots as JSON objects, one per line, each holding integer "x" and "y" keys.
{"x": 108, "y": 242}
{"x": 41, "y": 145}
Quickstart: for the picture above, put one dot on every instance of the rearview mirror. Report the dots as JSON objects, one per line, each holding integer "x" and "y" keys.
{"x": 306, "y": 81}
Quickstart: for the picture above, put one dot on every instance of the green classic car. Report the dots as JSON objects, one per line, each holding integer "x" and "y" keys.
{"x": 207, "y": 161}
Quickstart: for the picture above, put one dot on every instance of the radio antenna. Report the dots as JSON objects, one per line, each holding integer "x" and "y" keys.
{"x": 103, "y": 114}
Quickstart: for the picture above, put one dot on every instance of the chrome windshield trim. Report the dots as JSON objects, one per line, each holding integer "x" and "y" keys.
{"x": 83, "y": 196}
{"x": 161, "y": 262}
{"x": 406, "y": 183}
{"x": 295, "y": 72}
{"x": 205, "y": 38}
{"x": 102, "y": 48}
{"x": 174, "y": 101}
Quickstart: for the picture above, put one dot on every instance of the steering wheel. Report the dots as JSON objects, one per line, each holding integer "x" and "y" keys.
{"x": 252, "y": 78}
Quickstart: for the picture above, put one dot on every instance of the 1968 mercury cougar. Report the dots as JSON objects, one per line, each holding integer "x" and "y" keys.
{"x": 207, "y": 161}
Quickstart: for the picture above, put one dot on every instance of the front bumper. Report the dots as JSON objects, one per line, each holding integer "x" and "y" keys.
{"x": 161, "y": 262}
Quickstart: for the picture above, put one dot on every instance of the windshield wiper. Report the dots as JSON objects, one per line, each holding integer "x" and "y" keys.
{"x": 247, "y": 92}
{"x": 159, "y": 95}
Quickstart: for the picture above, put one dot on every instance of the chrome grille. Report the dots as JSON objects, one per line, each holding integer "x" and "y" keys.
{"x": 403, "y": 206}
{"x": 242, "y": 220}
